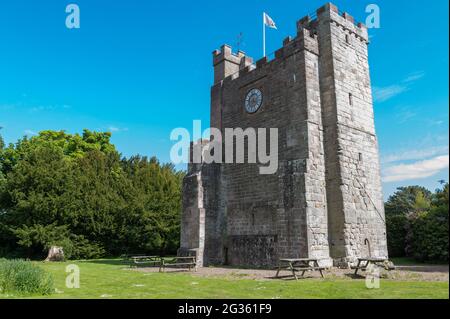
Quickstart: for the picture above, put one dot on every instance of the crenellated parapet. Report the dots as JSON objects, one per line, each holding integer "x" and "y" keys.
{"x": 330, "y": 13}
{"x": 229, "y": 66}
{"x": 305, "y": 40}
{"x": 227, "y": 63}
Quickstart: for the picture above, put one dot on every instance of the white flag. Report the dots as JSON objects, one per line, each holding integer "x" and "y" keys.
{"x": 269, "y": 22}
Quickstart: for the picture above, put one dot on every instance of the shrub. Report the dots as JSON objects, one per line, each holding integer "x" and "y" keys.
{"x": 24, "y": 277}
{"x": 430, "y": 236}
{"x": 43, "y": 238}
{"x": 397, "y": 226}
{"x": 84, "y": 249}
{"x": 417, "y": 223}
{"x": 75, "y": 191}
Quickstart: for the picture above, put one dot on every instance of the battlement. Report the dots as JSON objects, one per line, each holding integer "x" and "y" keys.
{"x": 230, "y": 66}
{"x": 227, "y": 63}
{"x": 330, "y": 13}
{"x": 225, "y": 53}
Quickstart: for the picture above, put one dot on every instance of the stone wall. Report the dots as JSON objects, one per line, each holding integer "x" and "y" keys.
{"x": 355, "y": 202}
{"x": 268, "y": 217}
{"x": 325, "y": 200}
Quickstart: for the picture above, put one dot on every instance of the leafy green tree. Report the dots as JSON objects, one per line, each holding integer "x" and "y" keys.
{"x": 75, "y": 191}
{"x": 2, "y": 176}
{"x": 441, "y": 199}
{"x": 408, "y": 200}
{"x": 429, "y": 241}
{"x": 430, "y": 229}
{"x": 397, "y": 232}
{"x": 157, "y": 200}
{"x": 417, "y": 223}
{"x": 33, "y": 196}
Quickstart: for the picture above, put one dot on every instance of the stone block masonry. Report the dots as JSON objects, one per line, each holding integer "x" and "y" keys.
{"x": 325, "y": 200}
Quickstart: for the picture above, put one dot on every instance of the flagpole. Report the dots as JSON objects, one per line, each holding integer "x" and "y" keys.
{"x": 264, "y": 36}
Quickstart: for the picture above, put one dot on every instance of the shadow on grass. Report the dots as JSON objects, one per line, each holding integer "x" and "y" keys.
{"x": 286, "y": 278}
{"x": 121, "y": 262}
{"x": 353, "y": 276}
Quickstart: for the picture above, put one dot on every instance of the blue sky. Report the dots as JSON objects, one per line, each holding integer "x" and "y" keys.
{"x": 142, "y": 68}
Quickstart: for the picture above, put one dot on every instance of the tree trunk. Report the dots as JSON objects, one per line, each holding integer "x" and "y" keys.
{"x": 55, "y": 254}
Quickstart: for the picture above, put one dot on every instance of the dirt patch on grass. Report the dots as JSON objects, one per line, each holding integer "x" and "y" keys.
{"x": 402, "y": 273}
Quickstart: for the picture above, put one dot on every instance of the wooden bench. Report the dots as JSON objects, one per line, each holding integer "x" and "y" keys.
{"x": 179, "y": 262}
{"x": 299, "y": 265}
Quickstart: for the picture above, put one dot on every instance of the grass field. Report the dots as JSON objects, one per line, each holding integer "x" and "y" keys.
{"x": 111, "y": 279}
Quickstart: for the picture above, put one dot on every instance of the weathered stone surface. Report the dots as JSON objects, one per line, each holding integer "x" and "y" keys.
{"x": 325, "y": 201}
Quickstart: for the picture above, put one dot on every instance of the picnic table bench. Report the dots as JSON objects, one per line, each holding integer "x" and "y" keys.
{"x": 299, "y": 264}
{"x": 145, "y": 260}
{"x": 363, "y": 263}
{"x": 179, "y": 262}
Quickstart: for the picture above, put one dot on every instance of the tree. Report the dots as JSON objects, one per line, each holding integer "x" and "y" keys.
{"x": 417, "y": 223}
{"x": 408, "y": 200}
{"x": 2, "y": 177}
{"x": 441, "y": 198}
{"x": 158, "y": 201}
{"x": 2, "y": 142}
{"x": 76, "y": 192}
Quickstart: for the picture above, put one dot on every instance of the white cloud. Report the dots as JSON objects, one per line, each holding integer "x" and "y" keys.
{"x": 386, "y": 93}
{"x": 414, "y": 77}
{"x": 114, "y": 129}
{"x": 382, "y": 94}
{"x": 405, "y": 115}
{"x": 417, "y": 170}
{"x": 416, "y": 154}
{"x": 30, "y": 132}
{"x": 432, "y": 122}
{"x": 40, "y": 108}
{"x": 32, "y": 107}
{"x": 43, "y": 108}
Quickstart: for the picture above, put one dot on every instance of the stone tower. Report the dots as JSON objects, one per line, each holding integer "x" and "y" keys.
{"x": 325, "y": 200}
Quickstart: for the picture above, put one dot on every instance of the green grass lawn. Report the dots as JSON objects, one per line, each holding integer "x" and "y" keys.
{"x": 111, "y": 279}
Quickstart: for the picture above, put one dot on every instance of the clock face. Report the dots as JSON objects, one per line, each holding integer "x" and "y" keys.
{"x": 253, "y": 101}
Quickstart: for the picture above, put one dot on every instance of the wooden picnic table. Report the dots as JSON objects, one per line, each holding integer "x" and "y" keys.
{"x": 299, "y": 264}
{"x": 179, "y": 262}
{"x": 150, "y": 260}
{"x": 363, "y": 263}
